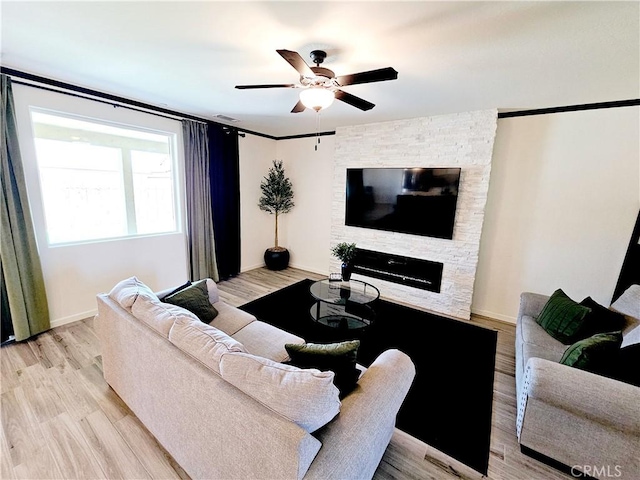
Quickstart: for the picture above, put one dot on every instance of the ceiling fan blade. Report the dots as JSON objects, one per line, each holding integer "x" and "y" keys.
{"x": 353, "y": 100}
{"x": 296, "y": 61}
{"x": 272, "y": 85}
{"x": 299, "y": 107}
{"x": 380, "y": 75}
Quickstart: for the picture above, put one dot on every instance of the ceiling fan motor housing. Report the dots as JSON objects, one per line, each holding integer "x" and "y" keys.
{"x": 318, "y": 56}
{"x": 323, "y": 76}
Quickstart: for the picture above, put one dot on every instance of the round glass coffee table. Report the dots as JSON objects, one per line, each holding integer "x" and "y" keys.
{"x": 344, "y": 305}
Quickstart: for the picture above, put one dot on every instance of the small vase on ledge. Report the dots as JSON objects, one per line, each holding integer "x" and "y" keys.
{"x": 346, "y": 272}
{"x": 346, "y": 252}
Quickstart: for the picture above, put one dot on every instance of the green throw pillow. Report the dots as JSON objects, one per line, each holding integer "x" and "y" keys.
{"x": 176, "y": 290}
{"x": 339, "y": 358}
{"x": 627, "y": 369}
{"x": 597, "y": 354}
{"x": 194, "y": 298}
{"x": 562, "y": 318}
{"x": 600, "y": 319}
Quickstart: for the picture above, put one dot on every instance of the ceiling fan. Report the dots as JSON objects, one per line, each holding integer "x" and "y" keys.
{"x": 321, "y": 86}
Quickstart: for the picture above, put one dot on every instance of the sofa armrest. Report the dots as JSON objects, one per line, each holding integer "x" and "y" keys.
{"x": 354, "y": 442}
{"x": 214, "y": 295}
{"x": 629, "y": 302}
{"x": 531, "y": 304}
{"x": 609, "y": 402}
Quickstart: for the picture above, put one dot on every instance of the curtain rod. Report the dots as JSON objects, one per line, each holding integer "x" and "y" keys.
{"x": 36, "y": 81}
{"x": 71, "y": 94}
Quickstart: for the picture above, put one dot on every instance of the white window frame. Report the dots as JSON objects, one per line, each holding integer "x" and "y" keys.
{"x": 130, "y": 206}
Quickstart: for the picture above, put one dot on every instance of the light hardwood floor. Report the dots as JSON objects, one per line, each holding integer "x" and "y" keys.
{"x": 61, "y": 420}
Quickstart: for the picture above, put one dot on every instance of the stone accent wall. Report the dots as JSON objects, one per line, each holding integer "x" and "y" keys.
{"x": 462, "y": 140}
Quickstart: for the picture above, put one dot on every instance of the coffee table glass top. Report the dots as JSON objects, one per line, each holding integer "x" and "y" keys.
{"x": 338, "y": 293}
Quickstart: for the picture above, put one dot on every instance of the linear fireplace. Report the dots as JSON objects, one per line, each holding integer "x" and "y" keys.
{"x": 413, "y": 272}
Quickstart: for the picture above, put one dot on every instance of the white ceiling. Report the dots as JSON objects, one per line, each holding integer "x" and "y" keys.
{"x": 451, "y": 56}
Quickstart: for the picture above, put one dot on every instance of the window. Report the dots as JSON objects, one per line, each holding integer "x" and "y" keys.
{"x": 101, "y": 181}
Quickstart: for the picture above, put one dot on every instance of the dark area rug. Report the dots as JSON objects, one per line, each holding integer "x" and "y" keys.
{"x": 449, "y": 404}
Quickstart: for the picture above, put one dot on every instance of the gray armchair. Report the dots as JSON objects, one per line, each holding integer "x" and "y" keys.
{"x": 582, "y": 420}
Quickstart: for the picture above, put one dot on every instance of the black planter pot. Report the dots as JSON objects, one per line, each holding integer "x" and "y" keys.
{"x": 276, "y": 259}
{"x": 347, "y": 269}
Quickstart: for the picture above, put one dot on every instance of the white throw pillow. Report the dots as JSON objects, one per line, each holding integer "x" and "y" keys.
{"x": 307, "y": 397}
{"x": 203, "y": 342}
{"x": 126, "y": 291}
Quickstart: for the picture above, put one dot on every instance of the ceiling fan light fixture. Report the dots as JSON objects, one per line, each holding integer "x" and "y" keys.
{"x": 316, "y": 98}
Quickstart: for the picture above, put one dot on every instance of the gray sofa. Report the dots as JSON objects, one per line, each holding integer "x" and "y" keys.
{"x": 204, "y": 394}
{"x": 584, "y": 421}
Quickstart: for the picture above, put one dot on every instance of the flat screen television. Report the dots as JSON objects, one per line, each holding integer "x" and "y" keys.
{"x": 420, "y": 201}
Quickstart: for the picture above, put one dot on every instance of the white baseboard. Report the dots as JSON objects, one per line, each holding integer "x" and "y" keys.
{"x": 497, "y": 316}
{"x": 309, "y": 269}
{"x": 251, "y": 267}
{"x": 58, "y": 322}
{"x": 292, "y": 265}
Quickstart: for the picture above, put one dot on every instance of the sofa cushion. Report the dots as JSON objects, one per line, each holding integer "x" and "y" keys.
{"x": 596, "y": 354}
{"x": 562, "y": 318}
{"x": 194, "y": 298}
{"x": 157, "y": 315}
{"x": 534, "y": 334}
{"x": 533, "y": 341}
{"x": 231, "y": 319}
{"x": 307, "y": 397}
{"x": 126, "y": 291}
{"x": 202, "y": 342}
{"x": 264, "y": 340}
{"x": 552, "y": 352}
{"x": 339, "y": 358}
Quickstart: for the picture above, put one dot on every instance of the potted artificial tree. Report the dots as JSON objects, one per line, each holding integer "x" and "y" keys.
{"x": 346, "y": 252}
{"x": 276, "y": 199}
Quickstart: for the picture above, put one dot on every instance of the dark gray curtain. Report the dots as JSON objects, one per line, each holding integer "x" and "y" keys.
{"x": 23, "y": 281}
{"x": 201, "y": 243}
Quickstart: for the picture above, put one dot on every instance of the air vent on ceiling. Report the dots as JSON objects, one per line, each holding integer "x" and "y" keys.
{"x": 226, "y": 118}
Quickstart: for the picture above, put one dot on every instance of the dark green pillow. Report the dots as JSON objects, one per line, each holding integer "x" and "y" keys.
{"x": 597, "y": 354}
{"x": 562, "y": 318}
{"x": 628, "y": 366}
{"x": 600, "y": 319}
{"x": 339, "y": 358}
{"x": 176, "y": 290}
{"x": 195, "y": 298}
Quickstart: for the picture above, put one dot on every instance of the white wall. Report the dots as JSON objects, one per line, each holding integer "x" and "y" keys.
{"x": 308, "y": 225}
{"x": 74, "y": 274}
{"x": 305, "y": 230}
{"x": 256, "y": 227}
{"x": 563, "y": 198}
